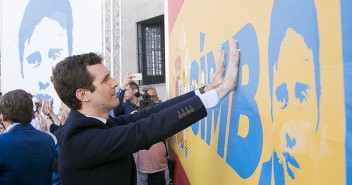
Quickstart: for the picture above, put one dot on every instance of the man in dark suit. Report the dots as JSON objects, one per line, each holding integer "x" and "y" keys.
{"x": 26, "y": 154}
{"x": 96, "y": 149}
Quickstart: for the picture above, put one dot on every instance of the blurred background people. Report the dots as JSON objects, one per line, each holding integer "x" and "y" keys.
{"x": 152, "y": 166}
{"x": 153, "y": 95}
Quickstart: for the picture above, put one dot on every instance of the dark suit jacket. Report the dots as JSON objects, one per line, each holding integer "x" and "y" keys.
{"x": 26, "y": 156}
{"x": 90, "y": 152}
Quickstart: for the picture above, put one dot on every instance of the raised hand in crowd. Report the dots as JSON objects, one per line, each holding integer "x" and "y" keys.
{"x": 48, "y": 111}
{"x": 126, "y": 81}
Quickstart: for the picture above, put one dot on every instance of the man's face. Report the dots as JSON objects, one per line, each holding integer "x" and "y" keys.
{"x": 47, "y": 46}
{"x": 5, "y": 124}
{"x": 295, "y": 111}
{"x": 103, "y": 99}
{"x": 129, "y": 94}
{"x": 2, "y": 127}
{"x": 153, "y": 95}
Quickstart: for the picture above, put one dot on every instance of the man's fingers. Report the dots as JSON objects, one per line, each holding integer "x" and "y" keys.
{"x": 221, "y": 54}
{"x": 234, "y": 44}
{"x": 235, "y": 52}
{"x": 237, "y": 57}
{"x": 128, "y": 76}
{"x": 221, "y": 60}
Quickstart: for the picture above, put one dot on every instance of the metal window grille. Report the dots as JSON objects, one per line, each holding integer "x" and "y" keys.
{"x": 151, "y": 50}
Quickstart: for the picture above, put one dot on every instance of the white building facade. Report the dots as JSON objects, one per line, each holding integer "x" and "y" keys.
{"x": 137, "y": 41}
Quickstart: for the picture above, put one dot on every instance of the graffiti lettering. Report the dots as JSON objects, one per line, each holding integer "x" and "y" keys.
{"x": 243, "y": 153}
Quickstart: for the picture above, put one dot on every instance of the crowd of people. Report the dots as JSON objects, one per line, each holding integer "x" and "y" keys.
{"x": 106, "y": 138}
{"x": 151, "y": 164}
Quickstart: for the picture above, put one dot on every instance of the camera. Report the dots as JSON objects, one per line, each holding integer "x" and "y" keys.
{"x": 146, "y": 101}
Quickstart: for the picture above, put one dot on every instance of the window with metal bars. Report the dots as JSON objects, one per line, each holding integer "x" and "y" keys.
{"x": 151, "y": 50}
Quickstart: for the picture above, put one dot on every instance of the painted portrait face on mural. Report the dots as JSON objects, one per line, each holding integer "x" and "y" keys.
{"x": 294, "y": 102}
{"x": 41, "y": 54}
{"x": 294, "y": 87}
{"x": 45, "y": 38}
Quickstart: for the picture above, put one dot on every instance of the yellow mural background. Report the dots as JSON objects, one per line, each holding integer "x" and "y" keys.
{"x": 220, "y": 20}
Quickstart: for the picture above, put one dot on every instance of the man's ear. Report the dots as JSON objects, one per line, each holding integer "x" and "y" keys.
{"x": 83, "y": 95}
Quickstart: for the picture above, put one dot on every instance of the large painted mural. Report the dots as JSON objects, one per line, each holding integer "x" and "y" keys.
{"x": 37, "y": 34}
{"x": 289, "y": 119}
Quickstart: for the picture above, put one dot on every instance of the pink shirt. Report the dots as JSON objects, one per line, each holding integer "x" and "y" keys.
{"x": 152, "y": 160}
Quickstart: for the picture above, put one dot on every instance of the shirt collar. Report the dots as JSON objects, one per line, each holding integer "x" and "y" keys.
{"x": 98, "y": 118}
{"x": 10, "y": 127}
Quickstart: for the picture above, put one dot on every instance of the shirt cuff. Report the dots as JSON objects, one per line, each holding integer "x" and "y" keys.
{"x": 197, "y": 92}
{"x": 209, "y": 99}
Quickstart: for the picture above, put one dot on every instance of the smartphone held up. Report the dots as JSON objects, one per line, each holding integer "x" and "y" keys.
{"x": 136, "y": 76}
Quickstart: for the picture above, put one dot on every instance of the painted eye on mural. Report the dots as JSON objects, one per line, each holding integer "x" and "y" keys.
{"x": 55, "y": 53}
{"x": 282, "y": 95}
{"x": 34, "y": 59}
{"x": 301, "y": 91}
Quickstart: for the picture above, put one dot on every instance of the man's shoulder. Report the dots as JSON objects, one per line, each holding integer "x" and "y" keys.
{"x": 74, "y": 126}
{"x": 77, "y": 119}
{"x": 41, "y": 134}
{"x": 129, "y": 107}
{"x": 4, "y": 137}
{"x": 24, "y": 136}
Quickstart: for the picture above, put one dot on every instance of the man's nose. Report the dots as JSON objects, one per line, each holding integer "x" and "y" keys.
{"x": 115, "y": 83}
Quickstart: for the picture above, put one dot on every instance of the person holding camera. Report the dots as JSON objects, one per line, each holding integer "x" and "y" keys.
{"x": 153, "y": 95}
{"x": 152, "y": 164}
{"x": 96, "y": 148}
{"x": 128, "y": 96}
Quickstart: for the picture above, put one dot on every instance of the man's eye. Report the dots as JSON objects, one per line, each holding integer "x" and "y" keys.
{"x": 55, "y": 53}
{"x": 34, "y": 59}
{"x": 301, "y": 91}
{"x": 281, "y": 93}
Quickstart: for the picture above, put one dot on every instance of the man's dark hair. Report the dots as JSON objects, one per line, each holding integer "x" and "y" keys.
{"x": 17, "y": 106}
{"x": 36, "y": 10}
{"x": 134, "y": 86}
{"x": 71, "y": 74}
